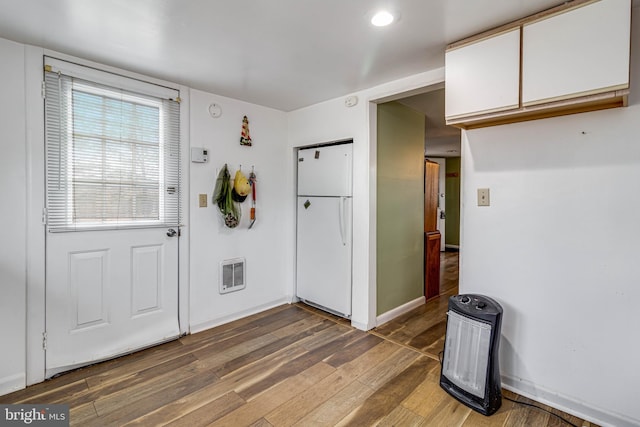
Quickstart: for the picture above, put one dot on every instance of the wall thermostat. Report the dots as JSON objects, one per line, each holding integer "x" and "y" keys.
{"x": 199, "y": 155}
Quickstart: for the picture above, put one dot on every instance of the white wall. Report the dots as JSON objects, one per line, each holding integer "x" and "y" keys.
{"x": 265, "y": 246}
{"x": 558, "y": 248}
{"x": 332, "y": 121}
{"x": 13, "y": 218}
{"x": 269, "y": 258}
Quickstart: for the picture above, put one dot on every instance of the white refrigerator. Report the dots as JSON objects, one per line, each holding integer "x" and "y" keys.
{"x": 324, "y": 227}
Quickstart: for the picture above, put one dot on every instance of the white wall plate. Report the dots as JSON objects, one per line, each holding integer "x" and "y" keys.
{"x": 215, "y": 110}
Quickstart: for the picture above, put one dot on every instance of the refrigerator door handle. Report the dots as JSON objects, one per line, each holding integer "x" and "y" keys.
{"x": 343, "y": 200}
{"x": 348, "y": 176}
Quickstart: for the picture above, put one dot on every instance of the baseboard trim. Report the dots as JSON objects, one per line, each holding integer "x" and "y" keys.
{"x": 359, "y": 325}
{"x": 392, "y": 314}
{"x": 203, "y": 326}
{"x": 12, "y": 383}
{"x": 567, "y": 404}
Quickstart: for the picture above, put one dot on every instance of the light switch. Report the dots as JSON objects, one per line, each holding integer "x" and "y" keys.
{"x": 202, "y": 199}
{"x": 483, "y": 197}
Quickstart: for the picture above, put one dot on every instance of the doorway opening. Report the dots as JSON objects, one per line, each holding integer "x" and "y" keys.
{"x": 439, "y": 147}
{"x": 442, "y": 146}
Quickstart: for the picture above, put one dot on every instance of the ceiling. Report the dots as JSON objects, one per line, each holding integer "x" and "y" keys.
{"x": 284, "y": 54}
{"x": 440, "y": 140}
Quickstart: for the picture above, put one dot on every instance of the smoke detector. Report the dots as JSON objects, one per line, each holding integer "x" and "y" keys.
{"x": 351, "y": 101}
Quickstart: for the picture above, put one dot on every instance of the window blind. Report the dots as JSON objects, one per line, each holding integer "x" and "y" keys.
{"x": 112, "y": 157}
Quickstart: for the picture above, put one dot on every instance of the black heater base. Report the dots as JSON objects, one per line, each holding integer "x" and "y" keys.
{"x": 470, "y": 368}
{"x": 485, "y": 407}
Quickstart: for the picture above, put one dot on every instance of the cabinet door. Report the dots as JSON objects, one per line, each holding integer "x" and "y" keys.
{"x": 483, "y": 76}
{"x": 580, "y": 52}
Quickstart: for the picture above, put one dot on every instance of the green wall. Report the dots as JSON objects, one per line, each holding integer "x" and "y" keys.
{"x": 452, "y": 201}
{"x": 400, "y": 206}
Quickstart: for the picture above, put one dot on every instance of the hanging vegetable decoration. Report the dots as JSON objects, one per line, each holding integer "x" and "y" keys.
{"x": 252, "y": 180}
{"x": 245, "y": 139}
{"x": 241, "y": 187}
{"x": 222, "y": 196}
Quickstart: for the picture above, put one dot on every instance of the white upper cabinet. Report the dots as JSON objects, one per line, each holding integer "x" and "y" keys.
{"x": 483, "y": 76}
{"x": 570, "y": 59}
{"x": 579, "y": 52}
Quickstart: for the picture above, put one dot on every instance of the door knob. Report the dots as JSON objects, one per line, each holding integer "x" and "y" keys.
{"x": 171, "y": 232}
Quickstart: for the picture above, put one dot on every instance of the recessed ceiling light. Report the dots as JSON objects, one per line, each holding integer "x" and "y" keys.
{"x": 382, "y": 19}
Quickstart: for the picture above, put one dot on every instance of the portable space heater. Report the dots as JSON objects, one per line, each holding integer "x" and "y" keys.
{"x": 470, "y": 369}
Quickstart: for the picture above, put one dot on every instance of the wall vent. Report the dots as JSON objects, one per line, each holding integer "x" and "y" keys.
{"x": 232, "y": 275}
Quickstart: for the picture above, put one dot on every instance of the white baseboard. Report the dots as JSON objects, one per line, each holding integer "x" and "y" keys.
{"x": 13, "y": 383}
{"x": 567, "y": 404}
{"x": 392, "y": 314}
{"x": 359, "y": 325}
{"x": 199, "y": 327}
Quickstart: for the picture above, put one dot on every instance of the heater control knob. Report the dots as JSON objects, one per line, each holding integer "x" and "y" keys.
{"x": 465, "y": 300}
{"x": 481, "y": 305}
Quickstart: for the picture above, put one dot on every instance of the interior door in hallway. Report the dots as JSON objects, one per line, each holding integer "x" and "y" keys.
{"x": 439, "y": 187}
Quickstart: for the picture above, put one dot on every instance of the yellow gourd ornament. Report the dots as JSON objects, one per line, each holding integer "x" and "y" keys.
{"x": 241, "y": 187}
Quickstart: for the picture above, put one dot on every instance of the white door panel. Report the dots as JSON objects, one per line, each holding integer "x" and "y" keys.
{"x": 108, "y": 293}
{"x": 146, "y": 279}
{"x": 324, "y": 252}
{"x": 88, "y": 280}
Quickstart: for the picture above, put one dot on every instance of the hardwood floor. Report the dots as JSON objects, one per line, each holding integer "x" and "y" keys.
{"x": 288, "y": 366}
{"x": 423, "y": 328}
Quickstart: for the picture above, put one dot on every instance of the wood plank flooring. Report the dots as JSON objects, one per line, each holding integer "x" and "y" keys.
{"x": 423, "y": 328}
{"x": 288, "y": 366}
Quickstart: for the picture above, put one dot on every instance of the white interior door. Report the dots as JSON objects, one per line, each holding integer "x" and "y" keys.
{"x": 109, "y": 293}
{"x": 442, "y": 216}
